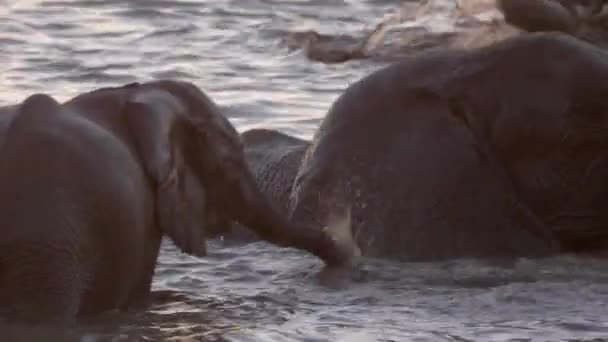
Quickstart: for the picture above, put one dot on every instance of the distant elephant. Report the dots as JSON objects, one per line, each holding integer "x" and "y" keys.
{"x": 90, "y": 186}
{"x": 274, "y": 159}
{"x": 580, "y": 18}
{"x": 500, "y": 152}
{"x": 539, "y": 15}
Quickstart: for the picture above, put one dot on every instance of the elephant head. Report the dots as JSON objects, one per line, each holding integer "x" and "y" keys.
{"x": 195, "y": 157}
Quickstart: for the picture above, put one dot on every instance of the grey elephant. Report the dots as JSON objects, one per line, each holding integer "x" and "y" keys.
{"x": 581, "y": 18}
{"x": 274, "y": 159}
{"x": 495, "y": 152}
{"x": 90, "y": 186}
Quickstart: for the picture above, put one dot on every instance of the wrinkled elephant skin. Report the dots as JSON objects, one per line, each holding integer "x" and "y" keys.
{"x": 90, "y": 186}
{"x": 494, "y": 152}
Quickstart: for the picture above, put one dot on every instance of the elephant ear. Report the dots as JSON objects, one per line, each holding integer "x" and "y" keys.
{"x": 158, "y": 130}
{"x": 462, "y": 111}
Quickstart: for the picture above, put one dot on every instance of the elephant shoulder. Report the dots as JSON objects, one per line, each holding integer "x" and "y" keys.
{"x": 549, "y": 43}
{"x": 479, "y": 73}
{"x": 41, "y": 123}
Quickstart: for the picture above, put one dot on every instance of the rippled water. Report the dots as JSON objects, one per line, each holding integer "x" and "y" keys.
{"x": 231, "y": 49}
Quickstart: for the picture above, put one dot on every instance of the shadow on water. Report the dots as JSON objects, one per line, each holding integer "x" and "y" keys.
{"x": 172, "y": 315}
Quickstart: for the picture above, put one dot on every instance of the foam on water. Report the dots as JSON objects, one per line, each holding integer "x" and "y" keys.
{"x": 257, "y": 292}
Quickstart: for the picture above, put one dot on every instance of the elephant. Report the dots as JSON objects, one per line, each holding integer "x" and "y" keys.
{"x": 91, "y": 185}
{"x": 584, "y": 19}
{"x": 580, "y": 18}
{"x": 274, "y": 168}
{"x": 539, "y": 15}
{"x": 273, "y": 159}
{"x": 491, "y": 153}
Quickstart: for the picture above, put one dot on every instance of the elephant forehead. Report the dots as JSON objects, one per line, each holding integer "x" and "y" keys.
{"x": 207, "y": 114}
{"x": 158, "y": 98}
{"x": 225, "y": 139}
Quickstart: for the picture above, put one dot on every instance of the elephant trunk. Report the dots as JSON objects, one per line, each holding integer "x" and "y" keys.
{"x": 256, "y": 212}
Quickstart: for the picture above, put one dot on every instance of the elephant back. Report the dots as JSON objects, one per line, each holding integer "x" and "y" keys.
{"x": 395, "y": 154}
{"x": 274, "y": 159}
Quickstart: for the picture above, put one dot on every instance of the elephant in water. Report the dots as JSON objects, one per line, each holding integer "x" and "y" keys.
{"x": 540, "y": 15}
{"x": 584, "y": 19}
{"x": 91, "y": 185}
{"x": 498, "y": 152}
